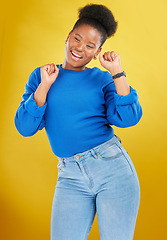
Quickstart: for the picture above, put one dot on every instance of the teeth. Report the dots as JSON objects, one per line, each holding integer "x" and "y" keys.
{"x": 76, "y": 54}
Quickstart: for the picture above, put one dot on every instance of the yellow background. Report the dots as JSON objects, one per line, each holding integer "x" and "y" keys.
{"x": 33, "y": 34}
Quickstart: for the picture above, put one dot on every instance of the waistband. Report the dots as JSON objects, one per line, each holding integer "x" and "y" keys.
{"x": 93, "y": 151}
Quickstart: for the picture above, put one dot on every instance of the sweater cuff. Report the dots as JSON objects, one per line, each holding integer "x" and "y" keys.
{"x": 33, "y": 108}
{"x": 127, "y": 99}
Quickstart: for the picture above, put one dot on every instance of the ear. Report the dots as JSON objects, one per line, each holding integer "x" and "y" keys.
{"x": 68, "y": 36}
{"x": 98, "y": 51}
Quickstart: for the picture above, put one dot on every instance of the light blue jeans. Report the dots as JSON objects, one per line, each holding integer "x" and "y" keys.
{"x": 103, "y": 180}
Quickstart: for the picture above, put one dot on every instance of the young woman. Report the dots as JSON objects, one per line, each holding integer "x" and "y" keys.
{"x": 77, "y": 106}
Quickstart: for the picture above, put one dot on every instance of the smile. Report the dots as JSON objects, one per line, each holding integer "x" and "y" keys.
{"x": 75, "y": 56}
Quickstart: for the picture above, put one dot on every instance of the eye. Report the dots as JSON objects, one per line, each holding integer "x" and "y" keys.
{"x": 89, "y": 46}
{"x": 77, "y": 39}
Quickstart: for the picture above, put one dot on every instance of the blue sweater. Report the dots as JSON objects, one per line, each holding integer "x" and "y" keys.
{"x": 80, "y": 108}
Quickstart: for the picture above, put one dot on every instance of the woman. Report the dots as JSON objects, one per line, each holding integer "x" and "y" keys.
{"x": 77, "y": 106}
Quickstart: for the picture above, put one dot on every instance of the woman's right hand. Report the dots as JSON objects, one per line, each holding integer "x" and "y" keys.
{"x": 49, "y": 73}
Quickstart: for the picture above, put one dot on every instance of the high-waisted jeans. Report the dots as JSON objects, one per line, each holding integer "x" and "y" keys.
{"x": 103, "y": 180}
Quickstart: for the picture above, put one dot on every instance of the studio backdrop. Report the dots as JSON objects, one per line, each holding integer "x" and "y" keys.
{"x": 32, "y": 34}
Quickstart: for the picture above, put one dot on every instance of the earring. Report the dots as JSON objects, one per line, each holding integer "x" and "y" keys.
{"x": 65, "y": 41}
{"x": 94, "y": 57}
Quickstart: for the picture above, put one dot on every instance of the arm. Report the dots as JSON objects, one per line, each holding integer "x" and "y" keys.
{"x": 29, "y": 117}
{"x": 123, "y": 107}
{"x": 111, "y": 61}
{"x": 49, "y": 74}
{"x": 122, "y": 111}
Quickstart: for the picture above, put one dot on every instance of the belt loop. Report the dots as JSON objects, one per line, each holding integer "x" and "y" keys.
{"x": 118, "y": 138}
{"x": 93, "y": 153}
{"x": 62, "y": 161}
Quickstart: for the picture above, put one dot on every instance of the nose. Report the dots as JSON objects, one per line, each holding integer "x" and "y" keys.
{"x": 80, "y": 46}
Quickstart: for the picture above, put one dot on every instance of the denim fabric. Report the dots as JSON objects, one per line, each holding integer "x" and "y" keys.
{"x": 103, "y": 180}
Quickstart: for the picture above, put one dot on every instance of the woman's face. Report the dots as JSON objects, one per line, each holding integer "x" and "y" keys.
{"x": 83, "y": 43}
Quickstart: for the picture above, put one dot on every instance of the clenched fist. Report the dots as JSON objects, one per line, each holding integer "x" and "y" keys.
{"x": 111, "y": 61}
{"x": 49, "y": 73}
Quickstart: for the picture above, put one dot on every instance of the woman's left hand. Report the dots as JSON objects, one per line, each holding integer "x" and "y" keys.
{"x": 111, "y": 61}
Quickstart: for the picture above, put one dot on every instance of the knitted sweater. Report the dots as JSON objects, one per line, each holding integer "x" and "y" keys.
{"x": 79, "y": 112}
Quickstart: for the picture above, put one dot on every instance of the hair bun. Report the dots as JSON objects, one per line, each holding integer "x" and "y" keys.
{"x": 101, "y": 14}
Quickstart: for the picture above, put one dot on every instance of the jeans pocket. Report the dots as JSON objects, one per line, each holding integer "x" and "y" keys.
{"x": 110, "y": 152}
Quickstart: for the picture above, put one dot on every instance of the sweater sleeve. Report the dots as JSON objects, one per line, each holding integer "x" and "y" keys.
{"x": 29, "y": 117}
{"x": 121, "y": 111}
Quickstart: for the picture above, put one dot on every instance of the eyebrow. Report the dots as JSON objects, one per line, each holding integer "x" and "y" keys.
{"x": 81, "y": 37}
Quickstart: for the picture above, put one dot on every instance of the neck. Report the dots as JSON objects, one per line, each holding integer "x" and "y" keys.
{"x": 66, "y": 65}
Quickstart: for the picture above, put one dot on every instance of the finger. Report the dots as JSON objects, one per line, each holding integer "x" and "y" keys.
{"x": 107, "y": 56}
{"x": 113, "y": 55}
{"x": 45, "y": 67}
{"x": 52, "y": 66}
{"x": 56, "y": 69}
{"x": 56, "y": 72}
{"x": 116, "y": 55}
{"x": 49, "y": 69}
{"x": 101, "y": 58}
